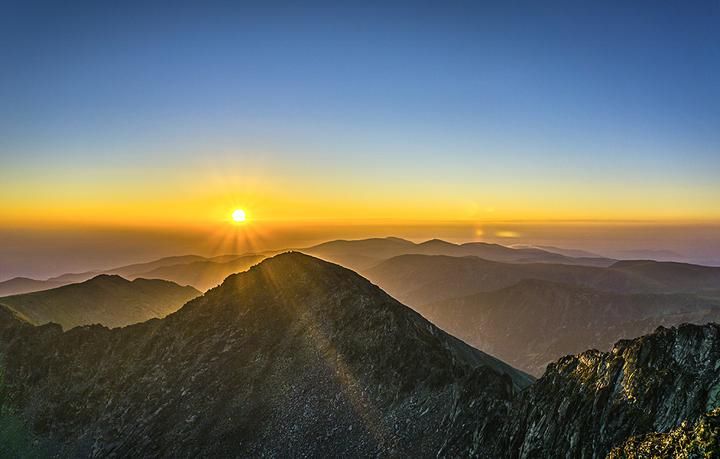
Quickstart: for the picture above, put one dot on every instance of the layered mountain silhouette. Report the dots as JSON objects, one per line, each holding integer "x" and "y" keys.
{"x": 205, "y": 274}
{"x": 361, "y": 255}
{"x": 300, "y": 357}
{"x": 105, "y": 299}
{"x": 421, "y": 279}
{"x": 18, "y": 285}
{"x": 199, "y": 272}
{"x": 534, "y": 322}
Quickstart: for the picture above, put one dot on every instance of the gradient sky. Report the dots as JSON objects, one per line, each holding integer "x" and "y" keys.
{"x": 173, "y": 113}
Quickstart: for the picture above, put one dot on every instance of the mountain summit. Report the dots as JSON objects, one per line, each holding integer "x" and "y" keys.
{"x": 295, "y": 349}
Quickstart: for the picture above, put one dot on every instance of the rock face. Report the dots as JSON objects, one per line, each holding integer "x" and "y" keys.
{"x": 585, "y": 405}
{"x": 294, "y": 357}
{"x": 105, "y": 299}
{"x": 534, "y": 322}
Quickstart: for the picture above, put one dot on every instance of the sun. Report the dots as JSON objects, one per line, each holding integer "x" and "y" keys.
{"x": 238, "y": 215}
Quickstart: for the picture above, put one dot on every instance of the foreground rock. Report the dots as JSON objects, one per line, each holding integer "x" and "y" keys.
{"x": 585, "y": 405}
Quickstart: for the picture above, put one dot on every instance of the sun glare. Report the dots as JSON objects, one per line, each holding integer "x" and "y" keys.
{"x": 238, "y": 215}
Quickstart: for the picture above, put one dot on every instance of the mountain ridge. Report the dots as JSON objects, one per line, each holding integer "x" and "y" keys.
{"x": 106, "y": 298}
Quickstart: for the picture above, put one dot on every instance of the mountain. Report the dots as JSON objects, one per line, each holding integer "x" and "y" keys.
{"x": 134, "y": 270}
{"x": 300, "y": 357}
{"x": 296, "y": 356}
{"x": 422, "y": 279}
{"x": 200, "y": 272}
{"x": 574, "y": 253}
{"x": 681, "y": 276}
{"x": 204, "y": 274}
{"x": 361, "y": 255}
{"x": 533, "y": 322}
{"x": 18, "y": 285}
{"x": 109, "y": 300}
{"x": 587, "y": 404}
{"x": 650, "y": 254}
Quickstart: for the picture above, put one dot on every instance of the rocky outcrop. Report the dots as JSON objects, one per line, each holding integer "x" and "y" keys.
{"x": 691, "y": 440}
{"x": 585, "y": 405}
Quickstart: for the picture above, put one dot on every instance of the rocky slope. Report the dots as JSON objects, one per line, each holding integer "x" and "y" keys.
{"x": 294, "y": 357}
{"x": 108, "y": 300}
{"x": 587, "y": 404}
{"x": 533, "y": 322}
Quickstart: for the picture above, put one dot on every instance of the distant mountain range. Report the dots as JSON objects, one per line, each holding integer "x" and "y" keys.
{"x": 105, "y": 299}
{"x": 534, "y": 322}
{"x": 300, "y": 357}
{"x": 422, "y": 279}
{"x": 361, "y": 255}
{"x": 199, "y": 272}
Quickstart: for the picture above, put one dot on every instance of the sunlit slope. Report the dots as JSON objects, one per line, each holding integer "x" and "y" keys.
{"x": 203, "y": 274}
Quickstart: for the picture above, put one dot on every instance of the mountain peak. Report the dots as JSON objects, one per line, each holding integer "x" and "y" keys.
{"x": 437, "y": 242}
{"x": 114, "y": 278}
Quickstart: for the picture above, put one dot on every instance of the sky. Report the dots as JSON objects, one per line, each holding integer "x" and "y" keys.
{"x": 124, "y": 117}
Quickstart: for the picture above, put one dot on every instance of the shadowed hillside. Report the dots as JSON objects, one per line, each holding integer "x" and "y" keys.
{"x": 422, "y": 279}
{"x": 108, "y": 300}
{"x": 533, "y": 322}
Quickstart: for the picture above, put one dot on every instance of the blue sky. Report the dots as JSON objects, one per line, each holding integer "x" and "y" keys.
{"x": 599, "y": 92}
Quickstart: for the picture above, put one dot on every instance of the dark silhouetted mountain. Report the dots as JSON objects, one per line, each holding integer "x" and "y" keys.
{"x": 421, "y": 279}
{"x": 295, "y": 357}
{"x": 205, "y": 274}
{"x": 364, "y": 254}
{"x": 533, "y": 322}
{"x": 587, "y": 404}
{"x": 106, "y": 299}
{"x": 18, "y": 285}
